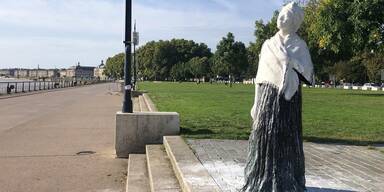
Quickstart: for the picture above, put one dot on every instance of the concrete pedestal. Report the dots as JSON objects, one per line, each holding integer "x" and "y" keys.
{"x": 135, "y": 130}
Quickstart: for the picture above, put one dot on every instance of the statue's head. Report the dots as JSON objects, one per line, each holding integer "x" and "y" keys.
{"x": 290, "y": 18}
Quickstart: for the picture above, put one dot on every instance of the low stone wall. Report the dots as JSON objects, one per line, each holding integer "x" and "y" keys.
{"x": 136, "y": 130}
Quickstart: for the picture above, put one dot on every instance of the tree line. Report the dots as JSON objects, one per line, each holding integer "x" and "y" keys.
{"x": 345, "y": 38}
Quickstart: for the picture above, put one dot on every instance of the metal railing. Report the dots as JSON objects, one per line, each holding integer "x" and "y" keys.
{"x": 13, "y": 87}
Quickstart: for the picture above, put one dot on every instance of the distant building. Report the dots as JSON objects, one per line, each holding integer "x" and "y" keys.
{"x": 99, "y": 71}
{"x": 21, "y": 73}
{"x": 43, "y": 73}
{"x": 53, "y": 73}
{"x": 70, "y": 72}
{"x": 80, "y": 72}
{"x": 5, "y": 73}
{"x": 37, "y": 73}
{"x": 63, "y": 73}
{"x": 76, "y": 73}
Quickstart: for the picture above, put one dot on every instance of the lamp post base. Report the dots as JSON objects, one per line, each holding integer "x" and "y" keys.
{"x": 127, "y": 106}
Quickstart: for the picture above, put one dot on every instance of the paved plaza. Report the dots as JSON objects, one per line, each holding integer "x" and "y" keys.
{"x": 329, "y": 167}
{"x": 61, "y": 141}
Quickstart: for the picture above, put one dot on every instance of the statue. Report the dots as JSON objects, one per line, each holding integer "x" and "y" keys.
{"x": 275, "y": 153}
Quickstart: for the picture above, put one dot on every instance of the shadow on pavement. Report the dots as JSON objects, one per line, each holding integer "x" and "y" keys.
{"x": 315, "y": 189}
{"x": 341, "y": 141}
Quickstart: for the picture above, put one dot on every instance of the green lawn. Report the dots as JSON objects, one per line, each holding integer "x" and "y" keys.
{"x": 218, "y": 111}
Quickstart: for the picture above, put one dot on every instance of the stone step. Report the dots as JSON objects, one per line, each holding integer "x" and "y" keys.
{"x": 161, "y": 175}
{"x": 137, "y": 177}
{"x": 151, "y": 106}
{"x": 136, "y": 105}
{"x": 143, "y": 104}
{"x": 192, "y": 175}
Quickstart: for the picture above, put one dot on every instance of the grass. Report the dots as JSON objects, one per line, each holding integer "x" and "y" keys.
{"x": 218, "y": 111}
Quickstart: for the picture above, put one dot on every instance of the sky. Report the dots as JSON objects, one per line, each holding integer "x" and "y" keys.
{"x": 60, "y": 33}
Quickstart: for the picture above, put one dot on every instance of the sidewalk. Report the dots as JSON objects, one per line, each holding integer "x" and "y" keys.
{"x": 329, "y": 167}
{"x": 61, "y": 141}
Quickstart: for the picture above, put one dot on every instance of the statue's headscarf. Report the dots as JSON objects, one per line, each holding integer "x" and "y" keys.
{"x": 296, "y": 12}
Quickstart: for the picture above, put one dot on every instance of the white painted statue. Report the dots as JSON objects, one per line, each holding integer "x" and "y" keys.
{"x": 275, "y": 153}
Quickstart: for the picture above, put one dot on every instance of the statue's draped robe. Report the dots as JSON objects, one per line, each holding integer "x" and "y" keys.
{"x": 275, "y": 152}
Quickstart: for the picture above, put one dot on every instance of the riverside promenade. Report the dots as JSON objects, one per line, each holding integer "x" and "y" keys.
{"x": 61, "y": 141}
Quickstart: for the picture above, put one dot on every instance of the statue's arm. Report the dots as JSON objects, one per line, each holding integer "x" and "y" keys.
{"x": 302, "y": 63}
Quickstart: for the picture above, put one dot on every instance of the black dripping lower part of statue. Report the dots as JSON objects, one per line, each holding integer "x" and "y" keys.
{"x": 275, "y": 154}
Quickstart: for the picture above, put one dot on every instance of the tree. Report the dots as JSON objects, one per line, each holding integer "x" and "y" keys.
{"x": 368, "y": 25}
{"x": 114, "y": 67}
{"x": 374, "y": 63}
{"x": 253, "y": 61}
{"x": 181, "y": 72}
{"x": 199, "y": 66}
{"x": 145, "y": 57}
{"x": 230, "y": 58}
{"x": 358, "y": 70}
{"x": 157, "y": 59}
{"x": 341, "y": 32}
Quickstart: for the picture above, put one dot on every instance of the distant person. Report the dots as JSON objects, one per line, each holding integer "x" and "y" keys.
{"x": 9, "y": 89}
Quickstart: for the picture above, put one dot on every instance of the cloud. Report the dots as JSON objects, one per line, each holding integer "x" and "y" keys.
{"x": 69, "y": 16}
{"x": 207, "y": 23}
{"x": 228, "y": 5}
{"x": 61, "y": 32}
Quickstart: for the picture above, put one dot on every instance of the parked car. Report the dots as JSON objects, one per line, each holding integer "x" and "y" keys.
{"x": 347, "y": 86}
{"x": 369, "y": 86}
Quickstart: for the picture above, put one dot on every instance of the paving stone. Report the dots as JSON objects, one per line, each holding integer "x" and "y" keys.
{"x": 329, "y": 167}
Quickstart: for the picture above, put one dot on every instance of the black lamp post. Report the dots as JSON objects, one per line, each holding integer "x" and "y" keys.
{"x": 127, "y": 103}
